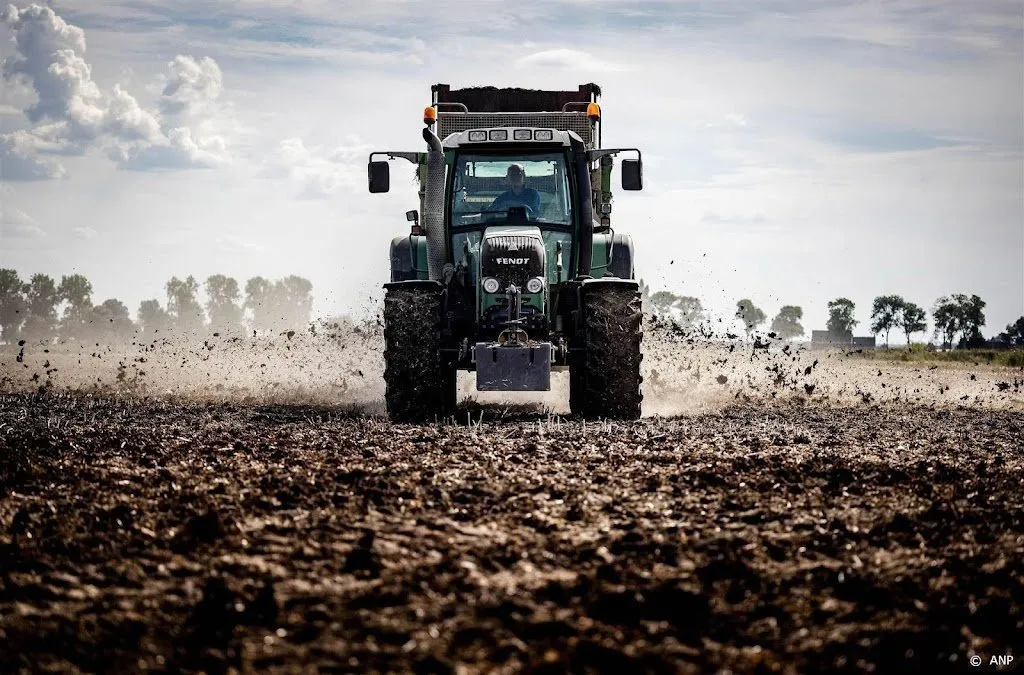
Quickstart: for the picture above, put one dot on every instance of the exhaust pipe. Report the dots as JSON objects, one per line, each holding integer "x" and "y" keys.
{"x": 433, "y": 207}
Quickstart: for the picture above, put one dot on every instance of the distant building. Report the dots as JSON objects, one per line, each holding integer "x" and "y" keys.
{"x": 824, "y": 339}
{"x": 828, "y": 337}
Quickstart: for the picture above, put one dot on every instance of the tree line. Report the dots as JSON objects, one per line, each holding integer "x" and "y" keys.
{"x": 954, "y": 315}
{"x": 688, "y": 312}
{"x": 41, "y": 308}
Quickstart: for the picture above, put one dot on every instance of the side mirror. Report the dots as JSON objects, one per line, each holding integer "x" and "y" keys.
{"x": 632, "y": 174}
{"x": 380, "y": 176}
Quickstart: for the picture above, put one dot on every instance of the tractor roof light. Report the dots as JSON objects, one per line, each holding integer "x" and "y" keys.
{"x": 477, "y": 136}
{"x": 522, "y": 134}
{"x": 429, "y": 115}
{"x": 498, "y": 135}
{"x": 543, "y": 135}
{"x": 593, "y": 112}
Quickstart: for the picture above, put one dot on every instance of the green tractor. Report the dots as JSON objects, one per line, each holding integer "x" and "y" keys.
{"x": 514, "y": 270}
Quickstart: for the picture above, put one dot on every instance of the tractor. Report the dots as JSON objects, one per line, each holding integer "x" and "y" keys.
{"x": 511, "y": 268}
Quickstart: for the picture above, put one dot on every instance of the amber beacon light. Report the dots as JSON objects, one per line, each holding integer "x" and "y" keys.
{"x": 429, "y": 115}
{"x": 593, "y": 111}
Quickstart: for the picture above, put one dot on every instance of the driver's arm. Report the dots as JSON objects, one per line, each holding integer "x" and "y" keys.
{"x": 535, "y": 202}
{"x": 498, "y": 202}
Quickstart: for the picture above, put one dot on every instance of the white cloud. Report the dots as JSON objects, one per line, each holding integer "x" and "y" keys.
{"x": 235, "y": 244}
{"x": 48, "y": 53}
{"x": 193, "y": 86}
{"x": 322, "y": 172}
{"x": 12, "y": 216}
{"x": 727, "y": 121}
{"x": 27, "y": 231}
{"x": 19, "y": 160}
{"x": 16, "y": 223}
{"x": 736, "y": 119}
{"x": 569, "y": 59}
{"x": 86, "y": 232}
{"x": 179, "y": 150}
{"x": 49, "y": 56}
{"x": 128, "y": 121}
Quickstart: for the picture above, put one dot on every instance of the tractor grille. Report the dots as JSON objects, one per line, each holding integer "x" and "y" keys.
{"x": 455, "y": 122}
{"x": 512, "y": 259}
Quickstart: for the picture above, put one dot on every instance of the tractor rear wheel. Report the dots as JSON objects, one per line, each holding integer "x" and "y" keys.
{"x": 420, "y": 386}
{"x": 604, "y": 376}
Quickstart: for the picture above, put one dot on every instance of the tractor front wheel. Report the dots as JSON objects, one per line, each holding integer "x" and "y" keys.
{"x": 420, "y": 386}
{"x": 604, "y": 375}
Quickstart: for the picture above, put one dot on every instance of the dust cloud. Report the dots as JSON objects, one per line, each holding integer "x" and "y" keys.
{"x": 686, "y": 371}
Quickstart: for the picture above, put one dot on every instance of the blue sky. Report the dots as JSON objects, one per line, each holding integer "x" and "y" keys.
{"x": 794, "y": 151}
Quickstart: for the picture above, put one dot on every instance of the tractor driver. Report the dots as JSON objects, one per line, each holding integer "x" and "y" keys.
{"x": 517, "y": 194}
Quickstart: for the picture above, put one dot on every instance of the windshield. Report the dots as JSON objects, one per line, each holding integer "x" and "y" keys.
{"x": 487, "y": 186}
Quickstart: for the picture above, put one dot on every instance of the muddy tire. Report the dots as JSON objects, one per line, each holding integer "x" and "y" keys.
{"x": 419, "y": 386}
{"x": 604, "y": 376}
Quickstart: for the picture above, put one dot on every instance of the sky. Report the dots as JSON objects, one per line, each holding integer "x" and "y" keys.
{"x": 794, "y": 151}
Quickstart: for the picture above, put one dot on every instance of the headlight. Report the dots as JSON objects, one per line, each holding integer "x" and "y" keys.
{"x": 477, "y": 136}
{"x": 535, "y": 285}
{"x": 498, "y": 134}
{"x": 543, "y": 135}
{"x": 491, "y": 285}
{"x": 522, "y": 134}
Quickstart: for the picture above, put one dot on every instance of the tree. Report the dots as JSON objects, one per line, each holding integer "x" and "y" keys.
{"x": 1014, "y": 334}
{"x": 284, "y": 303}
{"x": 42, "y": 299}
{"x": 912, "y": 320}
{"x": 152, "y": 317}
{"x": 75, "y": 290}
{"x": 750, "y": 315}
{"x": 294, "y": 299}
{"x": 946, "y": 320}
{"x": 183, "y": 305}
{"x": 972, "y": 318}
{"x": 258, "y": 302}
{"x": 110, "y": 319}
{"x": 685, "y": 309}
{"x": 886, "y": 312}
{"x": 663, "y": 301}
{"x": 786, "y": 323}
{"x": 691, "y": 312}
{"x": 840, "y": 317}
{"x": 222, "y": 302}
{"x": 12, "y": 305}
{"x": 962, "y": 314}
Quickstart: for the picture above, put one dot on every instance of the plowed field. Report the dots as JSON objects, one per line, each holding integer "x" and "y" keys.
{"x": 775, "y": 511}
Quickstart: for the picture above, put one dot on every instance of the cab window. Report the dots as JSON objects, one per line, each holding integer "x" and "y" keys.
{"x": 486, "y": 186}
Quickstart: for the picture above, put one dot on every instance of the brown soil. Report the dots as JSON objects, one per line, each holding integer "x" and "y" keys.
{"x": 760, "y": 538}
{"x": 805, "y": 513}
